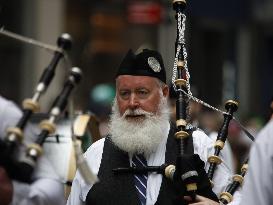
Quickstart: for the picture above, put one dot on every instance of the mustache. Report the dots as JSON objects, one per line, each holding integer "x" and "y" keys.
{"x": 136, "y": 112}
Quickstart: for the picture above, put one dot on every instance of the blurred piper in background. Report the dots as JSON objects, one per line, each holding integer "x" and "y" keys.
{"x": 46, "y": 187}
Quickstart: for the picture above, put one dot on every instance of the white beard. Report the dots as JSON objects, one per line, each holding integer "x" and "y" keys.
{"x": 139, "y": 136}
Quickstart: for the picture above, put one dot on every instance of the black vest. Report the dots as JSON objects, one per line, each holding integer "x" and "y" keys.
{"x": 119, "y": 189}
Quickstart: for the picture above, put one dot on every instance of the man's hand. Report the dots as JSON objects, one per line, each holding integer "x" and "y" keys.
{"x": 200, "y": 200}
{"x": 6, "y": 188}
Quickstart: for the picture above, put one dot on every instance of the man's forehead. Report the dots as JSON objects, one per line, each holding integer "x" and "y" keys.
{"x": 130, "y": 80}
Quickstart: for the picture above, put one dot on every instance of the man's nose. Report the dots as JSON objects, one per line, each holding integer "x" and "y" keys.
{"x": 133, "y": 101}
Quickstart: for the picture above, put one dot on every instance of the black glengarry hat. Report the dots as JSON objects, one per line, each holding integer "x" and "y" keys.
{"x": 146, "y": 63}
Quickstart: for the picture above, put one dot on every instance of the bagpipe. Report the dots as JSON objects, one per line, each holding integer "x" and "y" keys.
{"x": 21, "y": 168}
{"x": 189, "y": 169}
{"x": 181, "y": 85}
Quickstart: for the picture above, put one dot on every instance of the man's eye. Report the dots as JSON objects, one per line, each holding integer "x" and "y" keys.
{"x": 142, "y": 93}
{"x": 124, "y": 93}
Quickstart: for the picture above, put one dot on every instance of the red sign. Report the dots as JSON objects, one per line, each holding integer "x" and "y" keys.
{"x": 145, "y": 13}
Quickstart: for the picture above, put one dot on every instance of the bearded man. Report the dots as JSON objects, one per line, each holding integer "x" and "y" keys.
{"x": 140, "y": 133}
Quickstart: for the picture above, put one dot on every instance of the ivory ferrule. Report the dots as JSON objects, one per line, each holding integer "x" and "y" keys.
{"x": 220, "y": 144}
{"x": 181, "y": 122}
{"x": 29, "y": 104}
{"x": 238, "y": 178}
{"x": 169, "y": 171}
{"x": 244, "y": 168}
{"x": 180, "y": 82}
{"x": 35, "y": 150}
{"x": 214, "y": 159}
{"x": 232, "y": 105}
{"x": 232, "y": 102}
{"x": 181, "y": 135}
{"x": 180, "y": 64}
{"x": 48, "y": 126}
{"x": 179, "y": 1}
{"x": 226, "y": 196}
{"x": 17, "y": 132}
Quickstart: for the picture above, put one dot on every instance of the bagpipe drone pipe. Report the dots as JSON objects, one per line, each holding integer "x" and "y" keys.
{"x": 48, "y": 126}
{"x": 14, "y": 138}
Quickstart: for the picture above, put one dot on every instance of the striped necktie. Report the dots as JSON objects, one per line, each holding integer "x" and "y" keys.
{"x": 140, "y": 179}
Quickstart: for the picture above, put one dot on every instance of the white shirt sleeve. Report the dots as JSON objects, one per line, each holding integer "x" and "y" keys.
{"x": 75, "y": 196}
{"x": 79, "y": 188}
{"x": 257, "y": 188}
{"x": 9, "y": 115}
{"x": 40, "y": 192}
{"x": 47, "y": 188}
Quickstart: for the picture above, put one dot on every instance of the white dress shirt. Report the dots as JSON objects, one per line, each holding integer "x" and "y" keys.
{"x": 258, "y": 188}
{"x": 203, "y": 146}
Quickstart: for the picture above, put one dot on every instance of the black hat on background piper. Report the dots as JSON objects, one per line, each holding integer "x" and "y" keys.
{"x": 146, "y": 63}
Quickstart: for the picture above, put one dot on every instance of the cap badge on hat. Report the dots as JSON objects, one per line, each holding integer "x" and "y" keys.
{"x": 154, "y": 64}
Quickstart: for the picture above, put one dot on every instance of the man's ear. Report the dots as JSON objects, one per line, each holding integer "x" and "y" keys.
{"x": 165, "y": 91}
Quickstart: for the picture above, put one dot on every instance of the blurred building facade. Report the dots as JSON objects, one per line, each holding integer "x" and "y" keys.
{"x": 229, "y": 45}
